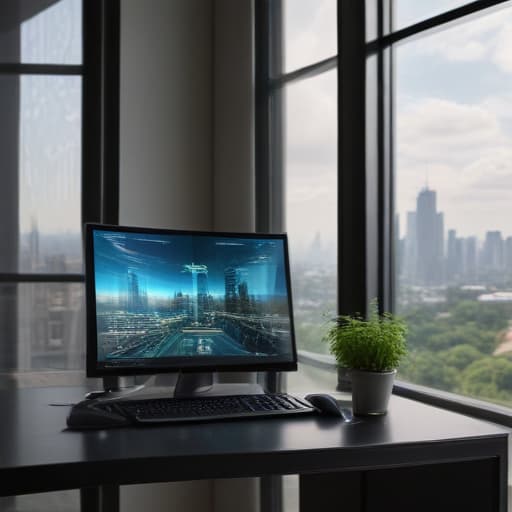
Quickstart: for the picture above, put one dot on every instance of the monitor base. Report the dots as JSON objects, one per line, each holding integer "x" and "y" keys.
{"x": 188, "y": 385}
{"x": 191, "y": 385}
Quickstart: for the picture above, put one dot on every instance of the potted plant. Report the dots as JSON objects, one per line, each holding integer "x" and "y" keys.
{"x": 372, "y": 349}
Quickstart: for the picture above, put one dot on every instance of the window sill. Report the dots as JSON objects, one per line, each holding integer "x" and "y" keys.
{"x": 453, "y": 402}
{"x": 443, "y": 399}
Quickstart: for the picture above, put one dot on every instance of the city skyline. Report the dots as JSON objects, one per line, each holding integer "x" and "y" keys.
{"x": 448, "y": 228}
{"x": 453, "y": 129}
{"x": 428, "y": 254}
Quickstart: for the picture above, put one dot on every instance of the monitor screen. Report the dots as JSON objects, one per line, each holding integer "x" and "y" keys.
{"x": 166, "y": 301}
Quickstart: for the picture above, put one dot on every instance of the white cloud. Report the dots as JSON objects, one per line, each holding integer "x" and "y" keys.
{"x": 502, "y": 51}
{"x": 312, "y": 207}
{"x": 499, "y": 105}
{"x": 311, "y": 158}
{"x": 485, "y": 38}
{"x": 311, "y": 124}
{"x": 320, "y": 184}
{"x": 468, "y": 159}
{"x": 310, "y": 32}
{"x": 438, "y": 131}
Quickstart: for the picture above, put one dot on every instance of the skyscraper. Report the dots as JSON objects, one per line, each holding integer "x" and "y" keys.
{"x": 411, "y": 247}
{"x": 508, "y": 252}
{"x": 455, "y": 257}
{"x": 470, "y": 257}
{"x": 492, "y": 252}
{"x": 430, "y": 238}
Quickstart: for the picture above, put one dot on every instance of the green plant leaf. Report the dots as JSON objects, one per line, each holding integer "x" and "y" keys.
{"x": 377, "y": 343}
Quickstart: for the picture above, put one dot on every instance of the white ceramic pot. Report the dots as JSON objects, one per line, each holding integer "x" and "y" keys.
{"x": 371, "y": 391}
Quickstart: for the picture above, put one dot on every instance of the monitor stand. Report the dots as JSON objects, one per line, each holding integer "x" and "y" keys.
{"x": 190, "y": 385}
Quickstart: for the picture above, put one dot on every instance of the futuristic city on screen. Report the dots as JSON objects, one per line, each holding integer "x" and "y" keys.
{"x": 161, "y": 296}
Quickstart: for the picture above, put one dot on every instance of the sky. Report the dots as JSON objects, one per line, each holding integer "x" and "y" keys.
{"x": 453, "y": 120}
{"x": 454, "y": 123}
{"x": 50, "y": 122}
{"x": 311, "y": 131}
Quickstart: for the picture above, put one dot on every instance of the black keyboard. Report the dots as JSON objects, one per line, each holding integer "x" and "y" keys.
{"x": 163, "y": 410}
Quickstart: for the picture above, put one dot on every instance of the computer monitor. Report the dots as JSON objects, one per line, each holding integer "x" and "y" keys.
{"x": 186, "y": 301}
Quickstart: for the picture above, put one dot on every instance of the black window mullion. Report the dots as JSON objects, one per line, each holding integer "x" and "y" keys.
{"x": 424, "y": 26}
{"x": 306, "y": 72}
{"x": 269, "y": 179}
{"x": 387, "y": 221}
{"x": 41, "y": 278}
{"x": 269, "y": 118}
{"x": 40, "y": 69}
{"x": 91, "y": 110}
{"x": 354, "y": 245}
{"x": 111, "y": 83}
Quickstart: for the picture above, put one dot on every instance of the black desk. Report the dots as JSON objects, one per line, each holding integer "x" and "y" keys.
{"x": 415, "y": 458}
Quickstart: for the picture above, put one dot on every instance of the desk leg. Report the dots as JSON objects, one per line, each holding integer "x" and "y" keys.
{"x": 331, "y": 491}
{"x": 109, "y": 498}
{"x": 89, "y": 499}
{"x": 271, "y": 493}
{"x": 99, "y": 499}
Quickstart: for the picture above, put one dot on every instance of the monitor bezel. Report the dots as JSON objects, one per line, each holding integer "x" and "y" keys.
{"x": 92, "y": 368}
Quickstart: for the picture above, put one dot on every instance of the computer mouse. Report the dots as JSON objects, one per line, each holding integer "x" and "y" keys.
{"x": 326, "y": 404}
{"x": 85, "y": 415}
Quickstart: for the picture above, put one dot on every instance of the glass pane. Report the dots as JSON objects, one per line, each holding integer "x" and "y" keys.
{"x": 44, "y": 328}
{"x": 408, "y": 12}
{"x": 311, "y": 205}
{"x": 453, "y": 182}
{"x": 310, "y": 32}
{"x": 35, "y": 32}
{"x": 41, "y": 172}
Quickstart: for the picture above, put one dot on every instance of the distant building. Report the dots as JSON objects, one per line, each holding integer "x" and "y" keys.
{"x": 426, "y": 258}
{"x": 452, "y": 265}
{"x": 508, "y": 252}
{"x": 470, "y": 255}
{"x": 496, "y": 297}
{"x": 430, "y": 239}
{"x": 411, "y": 247}
{"x": 492, "y": 252}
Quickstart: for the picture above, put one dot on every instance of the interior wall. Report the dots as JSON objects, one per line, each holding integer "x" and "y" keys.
{"x": 234, "y": 205}
{"x": 166, "y": 114}
{"x": 233, "y": 172}
{"x": 166, "y": 169}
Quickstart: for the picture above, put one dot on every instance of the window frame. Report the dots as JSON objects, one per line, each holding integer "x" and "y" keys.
{"x": 382, "y": 46}
{"x": 100, "y": 126}
{"x": 366, "y": 252}
{"x": 270, "y": 80}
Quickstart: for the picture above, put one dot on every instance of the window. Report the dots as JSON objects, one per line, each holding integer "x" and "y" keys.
{"x": 296, "y": 158}
{"x": 58, "y": 95}
{"x": 423, "y": 174}
{"x": 51, "y": 78}
{"x": 454, "y": 266}
{"x": 302, "y": 82}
